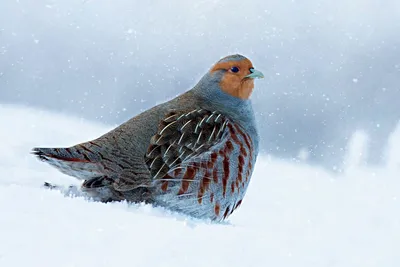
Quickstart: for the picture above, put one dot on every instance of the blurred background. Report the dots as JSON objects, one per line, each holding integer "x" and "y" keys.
{"x": 331, "y": 67}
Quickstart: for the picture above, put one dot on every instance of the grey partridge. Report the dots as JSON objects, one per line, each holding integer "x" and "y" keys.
{"x": 194, "y": 154}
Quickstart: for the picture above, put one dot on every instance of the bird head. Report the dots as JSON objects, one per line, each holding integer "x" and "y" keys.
{"x": 235, "y": 75}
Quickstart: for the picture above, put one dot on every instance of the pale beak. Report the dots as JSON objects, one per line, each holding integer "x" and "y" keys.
{"x": 255, "y": 74}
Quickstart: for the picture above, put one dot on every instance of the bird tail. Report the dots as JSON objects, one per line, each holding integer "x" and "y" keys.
{"x": 74, "y": 161}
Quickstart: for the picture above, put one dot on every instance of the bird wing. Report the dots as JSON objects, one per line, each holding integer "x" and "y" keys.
{"x": 183, "y": 138}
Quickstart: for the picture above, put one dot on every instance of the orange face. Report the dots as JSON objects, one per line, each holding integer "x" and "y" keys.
{"x": 235, "y": 80}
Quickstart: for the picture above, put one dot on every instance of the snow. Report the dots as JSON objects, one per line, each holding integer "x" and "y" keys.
{"x": 294, "y": 214}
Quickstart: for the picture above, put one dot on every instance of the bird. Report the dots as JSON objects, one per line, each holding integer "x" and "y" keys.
{"x": 194, "y": 154}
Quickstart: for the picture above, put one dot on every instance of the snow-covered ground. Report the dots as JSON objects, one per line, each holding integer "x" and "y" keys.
{"x": 293, "y": 215}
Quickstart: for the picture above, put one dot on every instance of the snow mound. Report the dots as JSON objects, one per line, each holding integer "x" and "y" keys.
{"x": 293, "y": 215}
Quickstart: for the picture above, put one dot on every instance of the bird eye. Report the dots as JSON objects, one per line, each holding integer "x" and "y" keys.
{"x": 235, "y": 69}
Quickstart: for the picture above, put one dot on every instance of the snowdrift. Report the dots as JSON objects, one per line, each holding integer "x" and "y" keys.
{"x": 294, "y": 214}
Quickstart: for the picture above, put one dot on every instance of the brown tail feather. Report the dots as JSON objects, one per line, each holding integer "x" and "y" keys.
{"x": 70, "y": 161}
